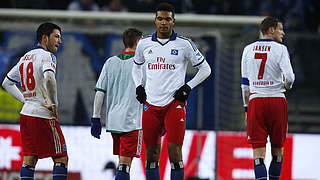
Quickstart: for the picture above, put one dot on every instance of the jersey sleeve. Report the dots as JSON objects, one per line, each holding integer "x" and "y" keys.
{"x": 193, "y": 54}
{"x": 101, "y": 84}
{"x": 285, "y": 66}
{"x": 49, "y": 63}
{"x": 139, "y": 57}
{"x": 13, "y": 75}
{"x": 244, "y": 71}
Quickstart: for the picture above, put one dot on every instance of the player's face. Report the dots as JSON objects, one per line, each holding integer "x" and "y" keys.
{"x": 164, "y": 23}
{"x": 54, "y": 41}
{"x": 278, "y": 33}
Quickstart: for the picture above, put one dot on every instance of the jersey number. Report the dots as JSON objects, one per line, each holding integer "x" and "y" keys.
{"x": 263, "y": 57}
{"x": 30, "y": 81}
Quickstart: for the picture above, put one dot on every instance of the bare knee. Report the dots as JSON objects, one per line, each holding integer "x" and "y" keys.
{"x": 153, "y": 153}
{"x": 125, "y": 160}
{"x": 30, "y": 160}
{"x": 175, "y": 152}
{"x": 275, "y": 151}
{"x": 63, "y": 160}
{"x": 259, "y": 153}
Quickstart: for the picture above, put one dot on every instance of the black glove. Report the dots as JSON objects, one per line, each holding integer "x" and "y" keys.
{"x": 95, "y": 127}
{"x": 182, "y": 93}
{"x": 141, "y": 94}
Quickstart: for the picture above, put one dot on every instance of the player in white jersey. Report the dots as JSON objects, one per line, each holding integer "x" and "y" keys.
{"x": 266, "y": 75}
{"x": 123, "y": 111}
{"x": 40, "y": 131}
{"x": 165, "y": 56}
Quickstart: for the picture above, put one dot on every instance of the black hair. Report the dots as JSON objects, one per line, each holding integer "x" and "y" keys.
{"x": 164, "y": 6}
{"x": 130, "y": 36}
{"x": 267, "y": 23}
{"x": 46, "y": 29}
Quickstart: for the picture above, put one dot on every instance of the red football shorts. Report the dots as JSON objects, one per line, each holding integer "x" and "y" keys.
{"x": 172, "y": 117}
{"x": 41, "y": 137}
{"x": 127, "y": 144}
{"x": 267, "y": 116}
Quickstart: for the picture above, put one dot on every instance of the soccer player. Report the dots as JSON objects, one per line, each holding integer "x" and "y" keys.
{"x": 41, "y": 134}
{"x": 123, "y": 111}
{"x": 266, "y": 75}
{"x": 165, "y": 55}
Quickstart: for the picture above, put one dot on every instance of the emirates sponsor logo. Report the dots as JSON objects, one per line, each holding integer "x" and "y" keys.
{"x": 161, "y": 64}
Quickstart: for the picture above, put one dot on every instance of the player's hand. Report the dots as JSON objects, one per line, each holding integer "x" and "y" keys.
{"x": 95, "y": 127}
{"x": 182, "y": 93}
{"x": 141, "y": 94}
{"x": 53, "y": 108}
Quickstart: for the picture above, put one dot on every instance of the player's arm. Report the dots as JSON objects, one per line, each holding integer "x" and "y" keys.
{"x": 96, "y": 116}
{"x": 51, "y": 86}
{"x": 286, "y": 69}
{"x": 245, "y": 84}
{"x": 10, "y": 81}
{"x": 204, "y": 71}
{"x": 12, "y": 89}
{"x": 100, "y": 89}
{"x": 97, "y": 104}
{"x": 137, "y": 74}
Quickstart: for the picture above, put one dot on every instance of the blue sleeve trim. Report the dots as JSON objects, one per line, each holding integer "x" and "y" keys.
{"x": 199, "y": 63}
{"x": 12, "y": 80}
{"x": 48, "y": 70}
{"x": 245, "y": 81}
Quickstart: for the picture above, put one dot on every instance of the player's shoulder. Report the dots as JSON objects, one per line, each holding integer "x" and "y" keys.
{"x": 146, "y": 39}
{"x": 186, "y": 41}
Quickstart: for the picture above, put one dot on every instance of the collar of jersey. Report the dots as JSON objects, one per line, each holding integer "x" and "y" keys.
{"x": 266, "y": 40}
{"x": 172, "y": 38}
{"x": 38, "y": 47}
{"x": 126, "y": 55}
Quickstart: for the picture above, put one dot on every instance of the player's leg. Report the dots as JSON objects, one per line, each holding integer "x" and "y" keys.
{"x": 59, "y": 155}
{"x": 259, "y": 154}
{"x": 175, "y": 123}
{"x": 276, "y": 163}
{"x": 29, "y": 159}
{"x": 152, "y": 126}
{"x": 129, "y": 146}
{"x": 28, "y": 166}
{"x": 279, "y": 121}
{"x": 59, "y": 171}
{"x": 123, "y": 169}
{"x": 257, "y": 134}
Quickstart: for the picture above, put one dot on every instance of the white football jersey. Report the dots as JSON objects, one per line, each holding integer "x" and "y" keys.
{"x": 29, "y": 73}
{"x": 265, "y": 64}
{"x": 166, "y": 65}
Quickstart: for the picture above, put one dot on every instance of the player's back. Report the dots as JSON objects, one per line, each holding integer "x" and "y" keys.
{"x": 263, "y": 64}
{"x": 124, "y": 112}
{"x": 32, "y": 67}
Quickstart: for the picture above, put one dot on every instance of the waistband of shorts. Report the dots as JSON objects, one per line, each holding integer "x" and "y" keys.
{"x": 255, "y": 95}
{"x": 158, "y": 107}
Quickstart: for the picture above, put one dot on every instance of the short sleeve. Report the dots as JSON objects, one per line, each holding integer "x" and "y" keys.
{"x": 139, "y": 57}
{"x": 14, "y": 75}
{"x": 193, "y": 54}
{"x": 101, "y": 84}
{"x": 49, "y": 63}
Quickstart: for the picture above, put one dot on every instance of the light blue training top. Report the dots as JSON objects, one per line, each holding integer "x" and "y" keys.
{"x": 123, "y": 111}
